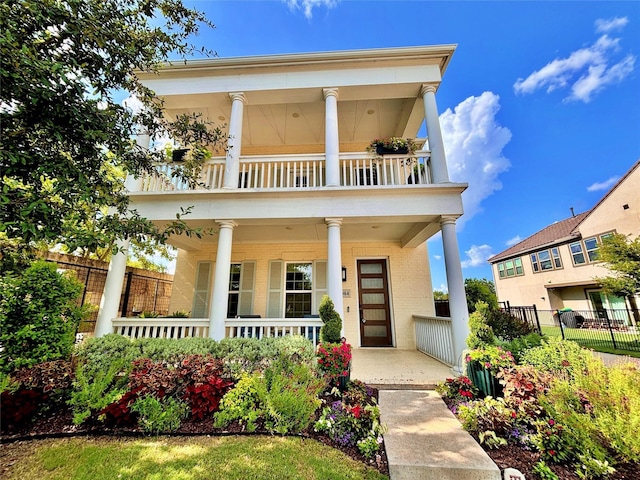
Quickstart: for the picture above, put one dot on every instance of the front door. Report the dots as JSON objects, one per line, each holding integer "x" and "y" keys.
{"x": 373, "y": 297}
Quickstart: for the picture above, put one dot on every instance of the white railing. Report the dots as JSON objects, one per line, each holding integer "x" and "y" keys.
{"x": 161, "y": 327}
{"x": 199, "y": 327}
{"x": 282, "y": 327}
{"x": 300, "y": 172}
{"x": 434, "y": 336}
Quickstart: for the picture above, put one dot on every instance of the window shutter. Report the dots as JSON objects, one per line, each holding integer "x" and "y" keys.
{"x": 201, "y": 291}
{"x": 319, "y": 283}
{"x": 247, "y": 279}
{"x": 274, "y": 300}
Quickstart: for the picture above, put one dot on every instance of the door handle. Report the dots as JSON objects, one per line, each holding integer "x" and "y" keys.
{"x": 362, "y": 319}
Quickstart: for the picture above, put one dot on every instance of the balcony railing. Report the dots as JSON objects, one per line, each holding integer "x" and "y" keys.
{"x": 301, "y": 172}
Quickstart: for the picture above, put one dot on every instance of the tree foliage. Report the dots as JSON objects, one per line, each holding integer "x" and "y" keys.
{"x": 480, "y": 290}
{"x": 63, "y": 66}
{"x": 622, "y": 256}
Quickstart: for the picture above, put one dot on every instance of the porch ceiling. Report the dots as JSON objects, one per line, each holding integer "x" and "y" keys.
{"x": 410, "y": 232}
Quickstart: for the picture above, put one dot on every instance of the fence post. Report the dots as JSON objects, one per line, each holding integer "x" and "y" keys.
{"x": 613, "y": 338}
{"x": 560, "y": 323}
{"x": 535, "y": 312}
{"x": 127, "y": 291}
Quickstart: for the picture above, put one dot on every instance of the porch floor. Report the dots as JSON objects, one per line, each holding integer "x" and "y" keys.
{"x": 390, "y": 368}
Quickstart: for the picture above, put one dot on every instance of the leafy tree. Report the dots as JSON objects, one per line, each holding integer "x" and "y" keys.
{"x": 480, "y": 290}
{"x": 622, "y": 256}
{"x": 63, "y": 66}
{"x": 440, "y": 295}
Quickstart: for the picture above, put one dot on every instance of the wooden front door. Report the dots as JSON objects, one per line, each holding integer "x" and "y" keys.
{"x": 373, "y": 297}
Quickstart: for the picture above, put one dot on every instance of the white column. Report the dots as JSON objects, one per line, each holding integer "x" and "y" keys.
{"x": 110, "y": 301}
{"x": 220, "y": 295}
{"x": 334, "y": 266}
{"x": 134, "y": 184}
{"x": 331, "y": 139}
{"x": 436, "y": 145}
{"x": 232, "y": 165}
{"x": 455, "y": 284}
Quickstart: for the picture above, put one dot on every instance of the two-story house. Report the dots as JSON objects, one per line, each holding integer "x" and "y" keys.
{"x": 298, "y": 207}
{"x": 556, "y": 267}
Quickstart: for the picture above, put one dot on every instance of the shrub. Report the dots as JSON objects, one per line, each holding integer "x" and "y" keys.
{"x": 507, "y": 327}
{"x": 95, "y": 389}
{"x": 205, "y": 386}
{"x": 157, "y": 416}
{"x": 244, "y": 403}
{"x": 480, "y": 333}
{"x": 455, "y": 391}
{"x": 557, "y": 356}
{"x": 486, "y": 415}
{"x": 519, "y": 345}
{"x": 98, "y": 354}
{"x": 332, "y": 323}
{"x": 285, "y": 398}
{"x": 38, "y": 316}
{"x": 491, "y": 358}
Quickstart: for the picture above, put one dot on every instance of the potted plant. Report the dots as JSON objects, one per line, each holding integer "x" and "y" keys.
{"x": 334, "y": 360}
{"x": 392, "y": 145}
{"x": 482, "y": 366}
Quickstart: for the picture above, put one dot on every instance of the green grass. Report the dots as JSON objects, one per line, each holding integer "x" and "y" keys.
{"x": 182, "y": 458}
{"x": 599, "y": 340}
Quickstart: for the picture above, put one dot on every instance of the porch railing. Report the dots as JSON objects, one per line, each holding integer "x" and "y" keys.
{"x": 199, "y": 327}
{"x": 300, "y": 172}
{"x": 434, "y": 336}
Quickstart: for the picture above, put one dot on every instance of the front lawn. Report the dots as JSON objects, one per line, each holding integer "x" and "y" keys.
{"x": 179, "y": 458}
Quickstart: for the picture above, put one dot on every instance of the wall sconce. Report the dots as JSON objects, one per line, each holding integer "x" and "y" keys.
{"x": 344, "y": 274}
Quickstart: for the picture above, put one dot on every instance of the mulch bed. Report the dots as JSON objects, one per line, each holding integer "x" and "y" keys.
{"x": 60, "y": 424}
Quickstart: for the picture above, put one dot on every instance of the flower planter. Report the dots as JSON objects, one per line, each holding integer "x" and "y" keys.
{"x": 380, "y": 150}
{"x": 484, "y": 380}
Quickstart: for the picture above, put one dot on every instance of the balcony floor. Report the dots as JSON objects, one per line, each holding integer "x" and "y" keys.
{"x": 391, "y": 368}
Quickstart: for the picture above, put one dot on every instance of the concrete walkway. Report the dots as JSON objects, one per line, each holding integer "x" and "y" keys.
{"x": 424, "y": 439}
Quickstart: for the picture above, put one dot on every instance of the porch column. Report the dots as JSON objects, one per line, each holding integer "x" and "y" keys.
{"x": 455, "y": 283}
{"x": 110, "y": 301}
{"x": 334, "y": 266}
{"x": 436, "y": 145}
{"x": 232, "y": 163}
{"x": 112, "y": 292}
{"x": 331, "y": 140}
{"x": 220, "y": 295}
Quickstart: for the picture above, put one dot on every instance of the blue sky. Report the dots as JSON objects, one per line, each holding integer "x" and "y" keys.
{"x": 540, "y": 105}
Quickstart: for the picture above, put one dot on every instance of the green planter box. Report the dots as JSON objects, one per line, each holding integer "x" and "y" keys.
{"x": 484, "y": 380}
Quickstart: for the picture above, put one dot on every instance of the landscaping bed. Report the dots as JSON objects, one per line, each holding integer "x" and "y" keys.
{"x": 196, "y": 387}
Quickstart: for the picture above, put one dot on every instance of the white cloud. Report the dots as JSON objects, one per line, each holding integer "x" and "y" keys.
{"x": 512, "y": 241}
{"x": 437, "y": 257}
{"x": 309, "y": 5}
{"x": 442, "y": 288}
{"x": 602, "y": 185}
{"x": 617, "y": 23}
{"x": 587, "y": 70}
{"x": 474, "y": 142}
{"x": 477, "y": 256}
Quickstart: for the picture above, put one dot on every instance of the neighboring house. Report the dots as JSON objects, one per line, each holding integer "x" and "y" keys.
{"x": 555, "y": 268}
{"x": 299, "y": 207}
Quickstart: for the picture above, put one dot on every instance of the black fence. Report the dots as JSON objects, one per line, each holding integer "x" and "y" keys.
{"x": 605, "y": 329}
{"x": 140, "y": 292}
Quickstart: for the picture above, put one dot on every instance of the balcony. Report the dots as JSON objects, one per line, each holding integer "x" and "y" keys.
{"x": 300, "y": 172}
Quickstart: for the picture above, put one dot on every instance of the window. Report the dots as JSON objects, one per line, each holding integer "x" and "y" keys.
{"x": 587, "y": 250}
{"x": 234, "y": 290}
{"x": 577, "y": 253}
{"x": 546, "y": 260}
{"x": 510, "y": 268}
{"x": 298, "y": 290}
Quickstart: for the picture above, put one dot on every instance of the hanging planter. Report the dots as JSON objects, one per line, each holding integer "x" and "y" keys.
{"x": 392, "y": 146}
{"x": 381, "y": 150}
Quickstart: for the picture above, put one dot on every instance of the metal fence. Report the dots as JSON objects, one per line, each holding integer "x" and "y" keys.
{"x": 140, "y": 293}
{"x": 605, "y": 329}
